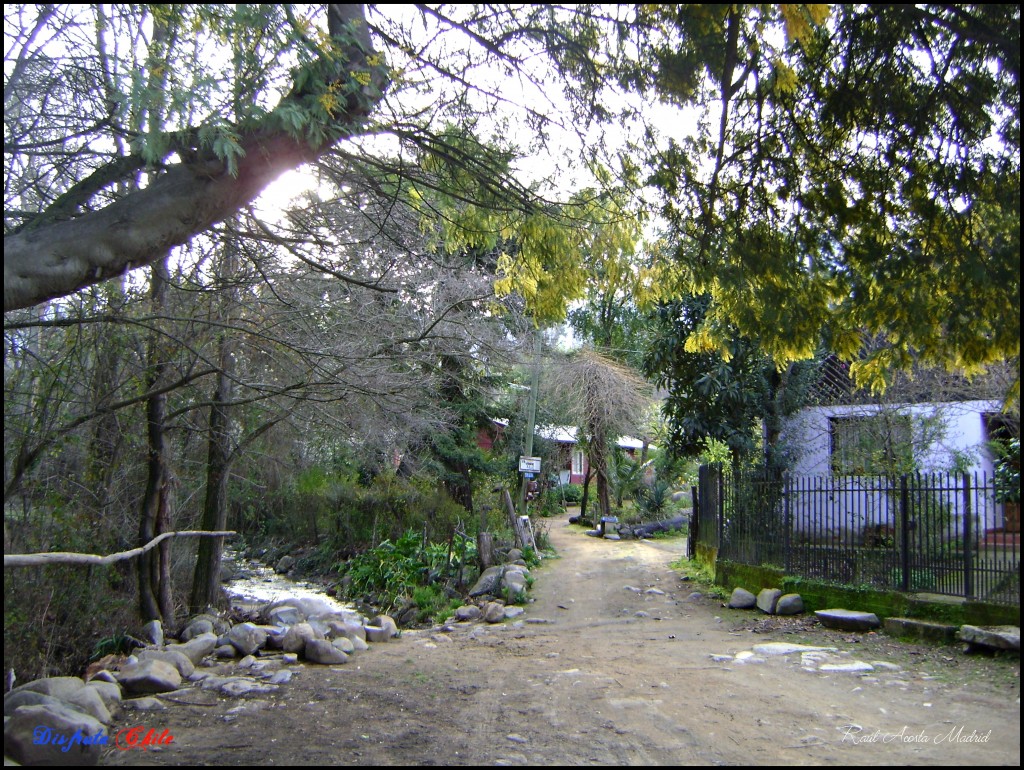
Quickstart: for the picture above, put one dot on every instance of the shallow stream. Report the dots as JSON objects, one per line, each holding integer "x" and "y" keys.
{"x": 258, "y": 584}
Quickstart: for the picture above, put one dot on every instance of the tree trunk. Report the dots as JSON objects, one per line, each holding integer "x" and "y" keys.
{"x": 206, "y": 589}
{"x": 155, "y": 593}
{"x": 585, "y": 498}
{"x": 599, "y": 463}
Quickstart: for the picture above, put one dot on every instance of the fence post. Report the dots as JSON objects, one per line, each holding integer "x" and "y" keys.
{"x": 787, "y": 521}
{"x": 968, "y": 535}
{"x": 720, "y": 483}
{"x": 694, "y": 534}
{"x": 904, "y": 534}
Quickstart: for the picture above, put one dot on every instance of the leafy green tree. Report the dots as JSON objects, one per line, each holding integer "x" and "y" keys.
{"x": 855, "y": 175}
{"x": 725, "y": 395}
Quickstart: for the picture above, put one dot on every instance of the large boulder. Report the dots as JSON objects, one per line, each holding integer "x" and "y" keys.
{"x": 848, "y": 620}
{"x": 467, "y": 612}
{"x": 57, "y": 686}
{"x": 246, "y": 638}
{"x": 376, "y": 634}
{"x": 991, "y": 637}
{"x": 344, "y": 644}
{"x": 176, "y": 658}
{"x": 88, "y": 701}
{"x": 53, "y": 735}
{"x": 148, "y": 677}
{"x": 768, "y": 599}
{"x": 154, "y": 632}
{"x": 494, "y": 612}
{"x": 284, "y": 615}
{"x": 489, "y": 582}
{"x": 323, "y": 652}
{"x": 298, "y": 637}
{"x": 742, "y": 599}
{"x": 196, "y": 648}
{"x": 110, "y": 692}
{"x": 789, "y": 604}
{"x": 22, "y": 697}
{"x": 387, "y": 623}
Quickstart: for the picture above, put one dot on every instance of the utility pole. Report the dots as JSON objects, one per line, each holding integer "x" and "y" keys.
{"x": 531, "y": 416}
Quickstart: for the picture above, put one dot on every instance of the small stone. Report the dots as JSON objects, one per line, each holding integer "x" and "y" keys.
{"x": 154, "y": 632}
{"x": 467, "y": 612}
{"x": 494, "y": 612}
{"x": 854, "y": 667}
{"x": 280, "y": 677}
{"x": 785, "y": 648}
{"x": 886, "y": 666}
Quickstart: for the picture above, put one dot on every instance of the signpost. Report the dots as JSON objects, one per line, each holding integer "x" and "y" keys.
{"x": 529, "y": 465}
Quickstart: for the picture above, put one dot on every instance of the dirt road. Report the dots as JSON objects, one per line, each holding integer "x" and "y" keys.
{"x": 605, "y": 670}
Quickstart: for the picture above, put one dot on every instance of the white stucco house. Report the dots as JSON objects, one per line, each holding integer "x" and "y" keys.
{"x": 846, "y": 450}
{"x": 873, "y": 438}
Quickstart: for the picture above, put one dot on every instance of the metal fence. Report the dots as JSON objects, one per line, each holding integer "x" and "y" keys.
{"x": 923, "y": 533}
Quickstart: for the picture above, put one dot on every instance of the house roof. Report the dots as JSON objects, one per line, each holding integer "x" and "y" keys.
{"x": 564, "y": 434}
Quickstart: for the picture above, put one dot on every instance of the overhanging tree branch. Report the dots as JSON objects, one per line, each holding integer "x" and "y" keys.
{"x": 59, "y": 258}
{"x": 65, "y": 557}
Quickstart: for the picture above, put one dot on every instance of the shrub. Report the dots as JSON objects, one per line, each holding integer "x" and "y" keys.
{"x": 392, "y": 572}
{"x": 572, "y": 494}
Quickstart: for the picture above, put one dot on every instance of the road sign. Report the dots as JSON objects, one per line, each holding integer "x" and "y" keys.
{"x": 529, "y": 464}
{"x": 528, "y": 475}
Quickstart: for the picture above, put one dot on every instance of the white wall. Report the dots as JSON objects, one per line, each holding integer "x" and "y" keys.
{"x": 806, "y": 434}
{"x": 941, "y": 433}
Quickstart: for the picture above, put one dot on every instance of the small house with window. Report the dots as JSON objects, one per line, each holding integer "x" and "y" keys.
{"x": 572, "y": 459}
{"x": 850, "y": 447}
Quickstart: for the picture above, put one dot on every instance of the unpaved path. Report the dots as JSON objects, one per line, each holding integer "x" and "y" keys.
{"x": 599, "y": 683}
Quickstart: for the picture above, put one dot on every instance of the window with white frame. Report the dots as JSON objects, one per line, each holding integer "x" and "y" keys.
{"x": 577, "y": 462}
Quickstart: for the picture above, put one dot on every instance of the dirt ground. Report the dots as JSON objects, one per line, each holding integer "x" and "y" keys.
{"x": 598, "y": 673}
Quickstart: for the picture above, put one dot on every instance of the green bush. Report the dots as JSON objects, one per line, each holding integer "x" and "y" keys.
{"x": 571, "y": 493}
{"x": 393, "y": 572}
